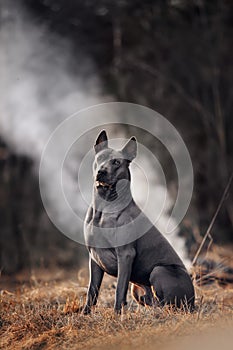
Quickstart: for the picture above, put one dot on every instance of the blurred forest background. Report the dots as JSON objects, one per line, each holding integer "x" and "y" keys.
{"x": 174, "y": 56}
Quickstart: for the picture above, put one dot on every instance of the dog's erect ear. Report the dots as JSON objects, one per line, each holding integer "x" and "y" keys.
{"x": 129, "y": 151}
{"x": 101, "y": 141}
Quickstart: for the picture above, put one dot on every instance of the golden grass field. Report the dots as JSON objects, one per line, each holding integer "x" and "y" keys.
{"x": 39, "y": 311}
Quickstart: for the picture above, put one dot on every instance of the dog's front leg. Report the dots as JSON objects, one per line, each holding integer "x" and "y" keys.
{"x": 96, "y": 276}
{"x": 125, "y": 258}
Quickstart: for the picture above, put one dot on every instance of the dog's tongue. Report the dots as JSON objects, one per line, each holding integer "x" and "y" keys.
{"x": 102, "y": 184}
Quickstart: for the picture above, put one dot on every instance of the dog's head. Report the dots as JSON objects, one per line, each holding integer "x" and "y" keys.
{"x": 111, "y": 165}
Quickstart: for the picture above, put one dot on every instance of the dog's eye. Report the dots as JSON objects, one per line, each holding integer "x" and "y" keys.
{"x": 116, "y": 162}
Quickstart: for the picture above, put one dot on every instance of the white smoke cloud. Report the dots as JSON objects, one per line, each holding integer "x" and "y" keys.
{"x": 39, "y": 89}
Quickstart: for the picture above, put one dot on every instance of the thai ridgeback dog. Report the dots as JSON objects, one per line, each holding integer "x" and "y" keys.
{"x": 123, "y": 242}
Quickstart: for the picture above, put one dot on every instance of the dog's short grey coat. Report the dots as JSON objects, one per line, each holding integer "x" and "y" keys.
{"x": 149, "y": 261}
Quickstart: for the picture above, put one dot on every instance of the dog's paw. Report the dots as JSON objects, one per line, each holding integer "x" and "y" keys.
{"x": 86, "y": 310}
{"x": 117, "y": 311}
{"x": 120, "y": 310}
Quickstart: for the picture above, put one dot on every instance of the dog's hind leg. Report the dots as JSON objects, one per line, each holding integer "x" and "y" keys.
{"x": 173, "y": 286}
{"x": 142, "y": 294}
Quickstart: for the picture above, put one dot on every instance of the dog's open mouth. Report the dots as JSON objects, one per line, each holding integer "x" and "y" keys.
{"x": 103, "y": 184}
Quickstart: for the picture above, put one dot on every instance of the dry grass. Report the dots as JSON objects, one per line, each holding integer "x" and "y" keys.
{"x": 41, "y": 314}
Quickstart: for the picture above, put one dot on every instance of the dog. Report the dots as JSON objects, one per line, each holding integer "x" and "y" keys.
{"x": 145, "y": 258}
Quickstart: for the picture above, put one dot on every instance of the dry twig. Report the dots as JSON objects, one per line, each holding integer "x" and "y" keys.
{"x": 212, "y": 221}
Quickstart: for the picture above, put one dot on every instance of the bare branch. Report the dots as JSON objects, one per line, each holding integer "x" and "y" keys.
{"x": 212, "y": 221}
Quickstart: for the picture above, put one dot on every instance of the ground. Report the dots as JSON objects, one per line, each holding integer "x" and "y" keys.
{"x": 39, "y": 311}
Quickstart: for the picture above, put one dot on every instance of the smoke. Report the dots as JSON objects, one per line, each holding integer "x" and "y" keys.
{"x": 38, "y": 87}
{"x": 41, "y": 85}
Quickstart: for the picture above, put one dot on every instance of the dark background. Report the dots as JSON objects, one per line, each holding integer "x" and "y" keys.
{"x": 172, "y": 56}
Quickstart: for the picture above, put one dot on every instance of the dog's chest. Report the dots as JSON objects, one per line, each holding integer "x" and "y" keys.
{"x": 105, "y": 219}
{"x": 106, "y": 259}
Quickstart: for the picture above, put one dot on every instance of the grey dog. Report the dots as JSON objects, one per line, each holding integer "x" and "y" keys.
{"x": 123, "y": 242}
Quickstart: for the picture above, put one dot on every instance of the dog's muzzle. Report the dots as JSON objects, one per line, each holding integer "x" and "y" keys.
{"x": 102, "y": 184}
{"x": 101, "y": 180}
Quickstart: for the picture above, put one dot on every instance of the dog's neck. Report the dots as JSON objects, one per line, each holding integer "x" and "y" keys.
{"x": 113, "y": 201}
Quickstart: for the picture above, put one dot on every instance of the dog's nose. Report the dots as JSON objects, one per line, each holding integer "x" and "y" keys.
{"x": 102, "y": 172}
